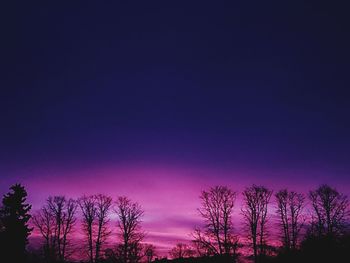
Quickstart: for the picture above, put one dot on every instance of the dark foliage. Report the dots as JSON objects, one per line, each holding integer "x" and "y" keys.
{"x": 316, "y": 249}
{"x": 14, "y": 230}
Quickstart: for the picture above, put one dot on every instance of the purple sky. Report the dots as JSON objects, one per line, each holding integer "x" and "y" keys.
{"x": 168, "y": 194}
{"x": 158, "y": 101}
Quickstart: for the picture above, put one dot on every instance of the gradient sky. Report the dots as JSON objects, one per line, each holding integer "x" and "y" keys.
{"x": 158, "y": 100}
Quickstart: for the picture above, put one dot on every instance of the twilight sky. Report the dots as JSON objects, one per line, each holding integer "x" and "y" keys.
{"x": 158, "y": 100}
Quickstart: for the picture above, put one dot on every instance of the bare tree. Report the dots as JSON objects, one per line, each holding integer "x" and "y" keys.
{"x": 149, "y": 252}
{"x": 289, "y": 208}
{"x": 95, "y": 210}
{"x": 45, "y": 223}
{"x": 296, "y": 206}
{"x": 217, "y": 206}
{"x": 256, "y": 200}
{"x": 103, "y": 206}
{"x": 55, "y": 222}
{"x": 181, "y": 250}
{"x": 68, "y": 223}
{"x": 330, "y": 210}
{"x": 282, "y": 211}
{"x": 88, "y": 209}
{"x": 129, "y": 224}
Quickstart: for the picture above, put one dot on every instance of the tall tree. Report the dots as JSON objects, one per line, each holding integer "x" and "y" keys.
{"x": 88, "y": 208}
{"x": 256, "y": 200}
{"x": 14, "y": 217}
{"x": 129, "y": 224}
{"x": 95, "y": 210}
{"x": 55, "y": 222}
{"x": 103, "y": 207}
{"x": 45, "y": 223}
{"x": 330, "y": 210}
{"x": 289, "y": 208}
{"x": 216, "y": 210}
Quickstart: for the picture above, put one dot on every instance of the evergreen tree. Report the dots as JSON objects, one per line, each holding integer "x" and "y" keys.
{"x": 14, "y": 217}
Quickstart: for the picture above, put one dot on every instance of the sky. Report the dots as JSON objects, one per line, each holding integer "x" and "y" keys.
{"x": 160, "y": 100}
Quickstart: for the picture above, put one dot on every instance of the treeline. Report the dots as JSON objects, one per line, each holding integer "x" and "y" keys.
{"x": 322, "y": 236}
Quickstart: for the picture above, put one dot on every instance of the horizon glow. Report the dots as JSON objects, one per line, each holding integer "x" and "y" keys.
{"x": 169, "y": 195}
{"x": 158, "y": 102}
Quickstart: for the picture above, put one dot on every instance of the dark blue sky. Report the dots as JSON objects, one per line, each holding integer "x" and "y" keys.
{"x": 247, "y": 84}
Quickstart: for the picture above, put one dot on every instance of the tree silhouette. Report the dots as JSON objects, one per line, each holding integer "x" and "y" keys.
{"x": 129, "y": 224}
{"x": 14, "y": 217}
{"x": 181, "y": 250}
{"x": 88, "y": 208}
{"x": 256, "y": 200}
{"x": 217, "y": 237}
{"x": 149, "y": 252}
{"x": 44, "y": 221}
{"x": 95, "y": 210}
{"x": 330, "y": 210}
{"x": 103, "y": 207}
{"x": 55, "y": 222}
{"x": 289, "y": 210}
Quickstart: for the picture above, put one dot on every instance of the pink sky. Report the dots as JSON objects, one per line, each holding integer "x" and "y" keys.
{"x": 169, "y": 195}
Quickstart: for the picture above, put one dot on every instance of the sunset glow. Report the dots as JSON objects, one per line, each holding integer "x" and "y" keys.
{"x": 158, "y": 102}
